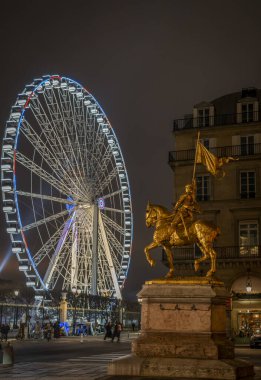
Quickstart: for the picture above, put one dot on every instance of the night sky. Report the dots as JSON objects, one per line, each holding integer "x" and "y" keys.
{"x": 147, "y": 62}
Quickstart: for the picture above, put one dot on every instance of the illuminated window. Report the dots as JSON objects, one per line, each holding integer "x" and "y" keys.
{"x": 248, "y": 237}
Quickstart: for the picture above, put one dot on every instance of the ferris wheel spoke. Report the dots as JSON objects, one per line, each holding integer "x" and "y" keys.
{"x": 49, "y": 245}
{"x": 45, "y": 197}
{"x": 106, "y": 180}
{"x": 41, "y": 173}
{"x": 110, "y": 195}
{"x": 115, "y": 245}
{"x": 101, "y": 166}
{"x": 58, "y": 145}
{"x": 112, "y": 224}
{"x": 58, "y": 118}
{"x": 114, "y": 210}
{"x": 44, "y": 221}
{"x": 77, "y": 120}
{"x": 37, "y": 143}
{"x": 109, "y": 258}
{"x": 57, "y": 252}
{"x": 49, "y": 156}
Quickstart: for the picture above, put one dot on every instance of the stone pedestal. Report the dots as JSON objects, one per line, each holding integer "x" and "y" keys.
{"x": 183, "y": 333}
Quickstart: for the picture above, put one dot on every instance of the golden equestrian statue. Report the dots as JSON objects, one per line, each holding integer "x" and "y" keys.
{"x": 178, "y": 228}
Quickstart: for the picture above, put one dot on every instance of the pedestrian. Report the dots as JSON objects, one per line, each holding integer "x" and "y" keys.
{"x": 108, "y": 332}
{"x": 133, "y": 325}
{"x": 37, "y": 330}
{"x": 48, "y": 331}
{"x": 4, "y": 332}
{"x": 117, "y": 331}
{"x": 56, "y": 330}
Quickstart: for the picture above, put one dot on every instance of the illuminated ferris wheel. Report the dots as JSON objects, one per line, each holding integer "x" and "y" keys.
{"x": 66, "y": 194}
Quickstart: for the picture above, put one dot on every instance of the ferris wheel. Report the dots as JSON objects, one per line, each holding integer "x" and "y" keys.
{"x": 66, "y": 194}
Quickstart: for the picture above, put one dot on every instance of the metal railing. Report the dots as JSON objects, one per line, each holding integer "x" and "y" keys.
{"x": 224, "y": 151}
{"x": 216, "y": 120}
{"x": 240, "y": 253}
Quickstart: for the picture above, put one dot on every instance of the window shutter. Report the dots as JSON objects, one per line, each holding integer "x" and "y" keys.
{"x": 255, "y": 111}
{"x": 211, "y": 115}
{"x": 239, "y": 112}
{"x": 195, "y": 117}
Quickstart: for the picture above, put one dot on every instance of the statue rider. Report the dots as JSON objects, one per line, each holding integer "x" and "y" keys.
{"x": 185, "y": 207}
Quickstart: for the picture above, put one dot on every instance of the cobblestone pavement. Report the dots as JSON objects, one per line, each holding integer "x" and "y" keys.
{"x": 89, "y": 367}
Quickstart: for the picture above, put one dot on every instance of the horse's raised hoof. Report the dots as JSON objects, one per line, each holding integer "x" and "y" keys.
{"x": 152, "y": 262}
{"x": 196, "y": 266}
{"x": 210, "y": 273}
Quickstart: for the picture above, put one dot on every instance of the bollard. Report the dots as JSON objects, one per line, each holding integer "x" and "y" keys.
{"x": 81, "y": 340}
{"x": 8, "y": 355}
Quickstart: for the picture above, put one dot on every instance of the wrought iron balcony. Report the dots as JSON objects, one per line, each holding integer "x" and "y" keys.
{"x": 224, "y": 151}
{"x": 233, "y": 253}
{"x": 216, "y": 120}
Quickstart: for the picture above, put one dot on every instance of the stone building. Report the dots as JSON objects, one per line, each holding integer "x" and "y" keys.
{"x": 229, "y": 126}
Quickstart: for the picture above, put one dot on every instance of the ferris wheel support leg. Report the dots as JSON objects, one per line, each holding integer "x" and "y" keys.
{"x": 95, "y": 251}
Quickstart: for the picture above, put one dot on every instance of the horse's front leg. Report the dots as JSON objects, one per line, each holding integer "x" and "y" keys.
{"x": 167, "y": 249}
{"x": 204, "y": 256}
{"x": 213, "y": 255}
{"x": 147, "y": 249}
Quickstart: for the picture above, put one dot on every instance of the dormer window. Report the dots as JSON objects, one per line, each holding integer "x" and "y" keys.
{"x": 247, "y": 106}
{"x": 203, "y": 115}
{"x": 247, "y": 112}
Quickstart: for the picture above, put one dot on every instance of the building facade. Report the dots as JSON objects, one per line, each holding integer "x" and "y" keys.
{"x": 229, "y": 126}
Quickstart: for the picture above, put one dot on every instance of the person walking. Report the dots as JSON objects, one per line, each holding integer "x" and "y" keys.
{"x": 117, "y": 331}
{"x": 108, "y": 332}
{"x": 4, "y": 331}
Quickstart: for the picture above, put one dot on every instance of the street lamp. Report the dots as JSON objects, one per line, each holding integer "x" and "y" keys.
{"x": 16, "y": 293}
{"x": 75, "y": 292}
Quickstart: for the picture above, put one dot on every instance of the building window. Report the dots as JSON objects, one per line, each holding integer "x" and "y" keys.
{"x": 247, "y": 112}
{"x": 248, "y": 238}
{"x": 203, "y": 188}
{"x": 203, "y": 117}
{"x": 247, "y": 184}
{"x": 246, "y": 145}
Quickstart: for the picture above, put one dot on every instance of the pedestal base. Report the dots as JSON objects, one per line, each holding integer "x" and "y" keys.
{"x": 183, "y": 334}
{"x": 133, "y": 365}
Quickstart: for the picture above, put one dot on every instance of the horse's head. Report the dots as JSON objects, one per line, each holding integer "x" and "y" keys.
{"x": 151, "y": 215}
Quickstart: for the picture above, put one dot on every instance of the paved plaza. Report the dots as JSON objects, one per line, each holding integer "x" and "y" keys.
{"x": 68, "y": 358}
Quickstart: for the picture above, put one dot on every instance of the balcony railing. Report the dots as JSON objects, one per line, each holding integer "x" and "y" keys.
{"x": 223, "y": 253}
{"x": 216, "y": 120}
{"x": 224, "y": 151}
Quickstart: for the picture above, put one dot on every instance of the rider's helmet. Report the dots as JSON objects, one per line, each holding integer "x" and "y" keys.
{"x": 189, "y": 188}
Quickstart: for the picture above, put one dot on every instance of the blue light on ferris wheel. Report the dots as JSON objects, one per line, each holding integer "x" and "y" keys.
{"x": 101, "y": 203}
{"x": 69, "y": 206}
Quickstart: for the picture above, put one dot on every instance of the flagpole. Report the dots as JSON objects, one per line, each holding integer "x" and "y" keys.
{"x": 196, "y": 153}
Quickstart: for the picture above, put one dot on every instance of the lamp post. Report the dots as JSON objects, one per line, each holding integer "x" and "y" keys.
{"x": 16, "y": 293}
{"x": 75, "y": 292}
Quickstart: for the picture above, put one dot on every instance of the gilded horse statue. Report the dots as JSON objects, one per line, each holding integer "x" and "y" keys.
{"x": 168, "y": 235}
